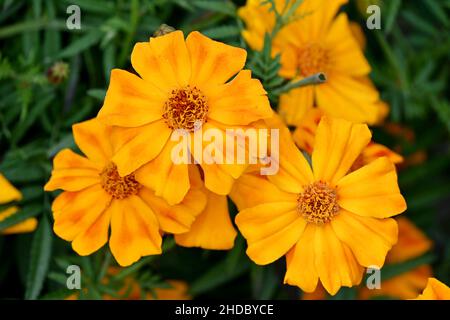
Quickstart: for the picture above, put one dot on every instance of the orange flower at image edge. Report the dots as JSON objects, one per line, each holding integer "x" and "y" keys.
{"x": 412, "y": 243}
{"x": 8, "y": 194}
{"x": 435, "y": 290}
{"x": 328, "y": 222}
{"x": 96, "y": 197}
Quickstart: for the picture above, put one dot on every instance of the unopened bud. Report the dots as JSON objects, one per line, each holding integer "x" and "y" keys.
{"x": 163, "y": 29}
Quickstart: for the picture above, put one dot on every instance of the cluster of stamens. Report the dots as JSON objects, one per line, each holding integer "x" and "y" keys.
{"x": 118, "y": 187}
{"x": 312, "y": 59}
{"x": 185, "y": 109}
{"x": 318, "y": 203}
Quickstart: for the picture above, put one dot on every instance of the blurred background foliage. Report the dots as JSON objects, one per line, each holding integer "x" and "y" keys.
{"x": 52, "y": 77}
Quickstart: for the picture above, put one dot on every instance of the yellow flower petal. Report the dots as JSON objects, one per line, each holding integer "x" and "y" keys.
{"x": 169, "y": 180}
{"x": 144, "y": 147}
{"x": 9, "y": 193}
{"x": 370, "y": 239}
{"x": 94, "y": 237}
{"x": 134, "y": 231}
{"x": 337, "y": 145}
{"x": 175, "y": 218}
{"x": 300, "y": 262}
{"x": 345, "y": 97}
{"x": 372, "y": 191}
{"x": 131, "y": 101}
{"x": 322, "y": 13}
{"x": 412, "y": 242}
{"x": 213, "y": 62}
{"x": 376, "y": 150}
{"x": 295, "y": 104}
{"x": 92, "y": 137}
{"x": 212, "y": 229}
{"x": 163, "y": 61}
{"x": 72, "y": 172}
{"x": 239, "y": 102}
{"x": 305, "y": 133}
{"x": 28, "y": 225}
{"x": 271, "y": 229}
{"x": 294, "y": 170}
{"x": 348, "y": 57}
{"x": 85, "y": 209}
{"x": 251, "y": 190}
{"x": 336, "y": 265}
{"x": 435, "y": 290}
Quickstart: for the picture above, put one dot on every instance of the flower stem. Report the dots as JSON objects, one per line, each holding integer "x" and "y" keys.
{"x": 317, "y": 78}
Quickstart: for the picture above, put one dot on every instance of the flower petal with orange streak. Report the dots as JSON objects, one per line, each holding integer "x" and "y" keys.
{"x": 370, "y": 239}
{"x": 169, "y": 179}
{"x": 131, "y": 101}
{"x": 337, "y": 145}
{"x": 335, "y": 263}
{"x": 81, "y": 214}
{"x": 213, "y": 63}
{"x": 134, "y": 231}
{"x": 92, "y": 137}
{"x": 72, "y": 172}
{"x": 300, "y": 262}
{"x": 372, "y": 191}
{"x": 271, "y": 230}
{"x": 175, "y": 218}
{"x": 251, "y": 190}
{"x": 212, "y": 229}
{"x": 239, "y": 102}
{"x": 144, "y": 147}
{"x": 163, "y": 61}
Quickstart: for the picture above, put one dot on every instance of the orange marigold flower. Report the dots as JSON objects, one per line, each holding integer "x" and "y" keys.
{"x": 8, "y": 194}
{"x": 181, "y": 84}
{"x": 96, "y": 198}
{"x": 329, "y": 223}
{"x": 317, "y": 41}
{"x": 435, "y": 290}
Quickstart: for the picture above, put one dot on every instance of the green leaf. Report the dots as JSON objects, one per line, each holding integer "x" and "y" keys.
{"x": 39, "y": 259}
{"x": 345, "y": 294}
{"x": 40, "y": 108}
{"x": 220, "y": 274}
{"x": 21, "y": 215}
{"x": 225, "y": 7}
{"x": 393, "y": 9}
{"x": 81, "y": 44}
{"x": 106, "y": 7}
{"x": 222, "y": 32}
{"x": 264, "y": 281}
{"x": 437, "y": 11}
{"x": 98, "y": 94}
{"x": 394, "y": 269}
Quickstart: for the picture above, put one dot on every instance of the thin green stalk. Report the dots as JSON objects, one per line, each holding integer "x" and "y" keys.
{"x": 317, "y": 78}
{"x": 134, "y": 21}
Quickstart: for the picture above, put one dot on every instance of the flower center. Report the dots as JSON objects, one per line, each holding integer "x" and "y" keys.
{"x": 312, "y": 59}
{"x": 185, "y": 109}
{"x": 118, "y": 187}
{"x": 318, "y": 203}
